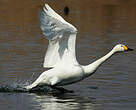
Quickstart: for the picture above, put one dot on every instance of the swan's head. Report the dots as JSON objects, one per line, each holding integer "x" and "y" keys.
{"x": 121, "y": 48}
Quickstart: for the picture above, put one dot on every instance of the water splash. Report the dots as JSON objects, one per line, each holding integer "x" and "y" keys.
{"x": 19, "y": 85}
{"x": 16, "y": 86}
{"x": 12, "y": 88}
{"x": 20, "y": 88}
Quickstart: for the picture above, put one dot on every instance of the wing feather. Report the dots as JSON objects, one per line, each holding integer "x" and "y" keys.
{"x": 59, "y": 33}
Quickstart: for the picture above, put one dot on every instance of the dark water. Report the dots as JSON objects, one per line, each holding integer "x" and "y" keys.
{"x": 101, "y": 25}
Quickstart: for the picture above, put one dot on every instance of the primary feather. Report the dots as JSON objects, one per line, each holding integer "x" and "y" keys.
{"x": 61, "y": 36}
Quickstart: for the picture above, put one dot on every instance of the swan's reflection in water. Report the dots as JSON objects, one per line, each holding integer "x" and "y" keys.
{"x": 63, "y": 102}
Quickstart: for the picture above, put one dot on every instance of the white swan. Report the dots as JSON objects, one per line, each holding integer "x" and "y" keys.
{"x": 60, "y": 56}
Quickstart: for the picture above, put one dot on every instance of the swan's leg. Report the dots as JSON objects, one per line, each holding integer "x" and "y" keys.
{"x": 38, "y": 88}
{"x": 62, "y": 90}
{"x": 29, "y": 87}
{"x": 36, "y": 83}
{"x": 54, "y": 82}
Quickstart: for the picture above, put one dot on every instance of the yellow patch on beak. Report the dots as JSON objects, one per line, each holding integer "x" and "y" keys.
{"x": 125, "y": 47}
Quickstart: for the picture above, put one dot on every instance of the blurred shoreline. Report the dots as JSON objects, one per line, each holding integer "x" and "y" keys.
{"x": 107, "y": 16}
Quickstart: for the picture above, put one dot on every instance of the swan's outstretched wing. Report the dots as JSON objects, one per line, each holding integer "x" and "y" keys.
{"x": 61, "y": 36}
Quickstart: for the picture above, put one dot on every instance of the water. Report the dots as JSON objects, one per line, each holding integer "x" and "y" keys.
{"x": 101, "y": 25}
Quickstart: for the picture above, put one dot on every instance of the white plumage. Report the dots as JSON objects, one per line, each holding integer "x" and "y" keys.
{"x": 60, "y": 54}
{"x": 61, "y": 36}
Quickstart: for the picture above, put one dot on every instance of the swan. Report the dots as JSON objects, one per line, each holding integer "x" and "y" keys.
{"x": 60, "y": 56}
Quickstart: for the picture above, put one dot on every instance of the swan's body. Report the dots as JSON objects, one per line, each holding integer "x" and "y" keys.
{"x": 60, "y": 55}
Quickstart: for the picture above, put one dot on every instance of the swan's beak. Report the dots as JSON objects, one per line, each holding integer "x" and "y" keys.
{"x": 127, "y": 49}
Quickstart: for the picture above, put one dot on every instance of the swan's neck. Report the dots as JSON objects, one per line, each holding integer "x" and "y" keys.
{"x": 91, "y": 68}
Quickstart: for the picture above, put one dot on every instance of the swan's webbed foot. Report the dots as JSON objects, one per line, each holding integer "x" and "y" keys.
{"x": 62, "y": 90}
{"x": 38, "y": 88}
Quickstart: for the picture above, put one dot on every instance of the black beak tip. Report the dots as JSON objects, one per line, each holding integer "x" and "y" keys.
{"x": 129, "y": 49}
